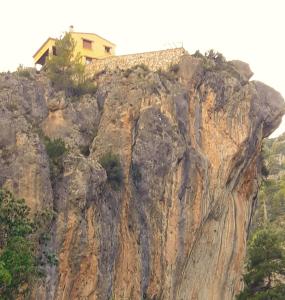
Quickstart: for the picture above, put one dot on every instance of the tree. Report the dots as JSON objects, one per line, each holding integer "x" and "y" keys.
{"x": 216, "y": 56}
{"x": 65, "y": 69}
{"x": 265, "y": 266}
{"x": 20, "y": 257}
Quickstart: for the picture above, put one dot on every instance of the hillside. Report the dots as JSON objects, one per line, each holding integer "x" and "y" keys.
{"x": 153, "y": 178}
{"x": 271, "y": 205}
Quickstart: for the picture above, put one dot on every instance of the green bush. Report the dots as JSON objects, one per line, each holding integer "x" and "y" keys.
{"x": 86, "y": 87}
{"x": 20, "y": 261}
{"x": 55, "y": 148}
{"x": 5, "y": 276}
{"x": 198, "y": 54}
{"x": 213, "y": 60}
{"x": 23, "y": 72}
{"x": 56, "y": 151}
{"x": 51, "y": 258}
{"x": 265, "y": 265}
{"x": 215, "y": 56}
{"x": 111, "y": 163}
{"x": 19, "y": 265}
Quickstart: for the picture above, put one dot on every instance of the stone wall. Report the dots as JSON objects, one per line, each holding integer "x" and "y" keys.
{"x": 154, "y": 60}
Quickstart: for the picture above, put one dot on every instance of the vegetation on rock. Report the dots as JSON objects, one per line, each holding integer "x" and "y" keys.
{"x": 19, "y": 257}
{"x": 265, "y": 267}
{"x": 111, "y": 163}
{"x": 214, "y": 61}
{"x": 66, "y": 70}
{"x": 211, "y": 55}
{"x": 55, "y": 148}
{"x": 23, "y": 72}
{"x": 56, "y": 151}
{"x": 264, "y": 279}
{"x": 271, "y": 206}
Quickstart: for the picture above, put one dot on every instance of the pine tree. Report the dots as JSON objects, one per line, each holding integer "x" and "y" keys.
{"x": 65, "y": 69}
{"x": 17, "y": 252}
{"x": 265, "y": 266}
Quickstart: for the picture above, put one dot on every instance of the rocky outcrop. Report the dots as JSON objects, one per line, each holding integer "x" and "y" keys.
{"x": 188, "y": 141}
{"x": 243, "y": 68}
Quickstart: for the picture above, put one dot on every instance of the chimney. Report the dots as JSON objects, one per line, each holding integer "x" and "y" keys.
{"x": 71, "y": 28}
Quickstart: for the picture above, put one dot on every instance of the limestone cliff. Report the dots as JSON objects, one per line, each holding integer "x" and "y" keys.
{"x": 189, "y": 143}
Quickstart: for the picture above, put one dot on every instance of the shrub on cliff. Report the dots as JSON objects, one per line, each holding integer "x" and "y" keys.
{"x": 198, "y": 54}
{"x": 111, "y": 163}
{"x": 56, "y": 150}
{"x": 212, "y": 60}
{"x": 23, "y": 72}
{"x": 85, "y": 87}
{"x": 265, "y": 266}
{"x": 215, "y": 56}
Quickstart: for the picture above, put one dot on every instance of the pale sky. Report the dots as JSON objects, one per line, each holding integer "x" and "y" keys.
{"x": 249, "y": 30}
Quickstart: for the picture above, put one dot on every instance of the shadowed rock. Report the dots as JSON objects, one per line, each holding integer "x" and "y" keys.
{"x": 243, "y": 68}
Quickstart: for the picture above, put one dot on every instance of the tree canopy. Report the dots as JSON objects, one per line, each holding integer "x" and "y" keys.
{"x": 20, "y": 257}
{"x": 66, "y": 70}
{"x": 17, "y": 258}
{"x": 265, "y": 266}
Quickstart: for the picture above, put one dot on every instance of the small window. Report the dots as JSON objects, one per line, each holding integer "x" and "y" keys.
{"x": 107, "y": 49}
{"x": 88, "y": 60}
{"x": 53, "y": 50}
{"x": 87, "y": 44}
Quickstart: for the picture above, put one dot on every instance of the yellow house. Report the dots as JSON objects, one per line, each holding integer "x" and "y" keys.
{"x": 90, "y": 46}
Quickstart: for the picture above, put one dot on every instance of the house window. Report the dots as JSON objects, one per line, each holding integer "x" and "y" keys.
{"x": 53, "y": 50}
{"x": 87, "y": 44}
{"x": 107, "y": 49}
{"x": 88, "y": 60}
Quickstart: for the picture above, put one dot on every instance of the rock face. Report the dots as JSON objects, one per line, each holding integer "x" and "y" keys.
{"x": 243, "y": 68}
{"x": 189, "y": 143}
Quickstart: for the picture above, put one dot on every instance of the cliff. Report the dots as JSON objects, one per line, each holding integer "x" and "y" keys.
{"x": 188, "y": 140}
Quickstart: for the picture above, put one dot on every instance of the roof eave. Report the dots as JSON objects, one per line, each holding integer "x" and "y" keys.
{"x": 95, "y": 35}
{"x": 43, "y": 46}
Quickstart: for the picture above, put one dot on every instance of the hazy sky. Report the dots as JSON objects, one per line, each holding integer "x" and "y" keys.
{"x": 249, "y": 30}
